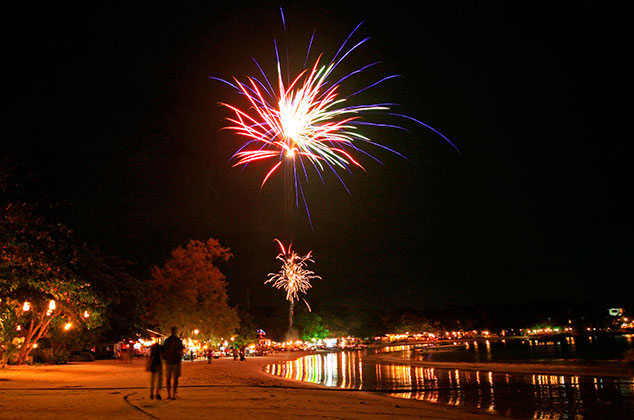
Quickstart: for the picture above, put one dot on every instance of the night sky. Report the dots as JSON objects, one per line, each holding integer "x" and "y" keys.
{"x": 114, "y": 105}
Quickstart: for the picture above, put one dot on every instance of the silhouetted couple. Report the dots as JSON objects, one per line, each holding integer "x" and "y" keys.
{"x": 172, "y": 353}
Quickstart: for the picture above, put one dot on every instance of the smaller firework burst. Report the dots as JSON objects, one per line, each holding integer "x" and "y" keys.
{"x": 293, "y": 277}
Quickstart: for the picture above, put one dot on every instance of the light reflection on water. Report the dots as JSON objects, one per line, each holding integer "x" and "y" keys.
{"x": 510, "y": 394}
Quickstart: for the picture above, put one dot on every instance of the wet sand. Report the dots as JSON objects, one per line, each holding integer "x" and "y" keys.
{"x": 224, "y": 389}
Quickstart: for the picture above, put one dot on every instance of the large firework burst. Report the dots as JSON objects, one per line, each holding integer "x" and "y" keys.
{"x": 306, "y": 122}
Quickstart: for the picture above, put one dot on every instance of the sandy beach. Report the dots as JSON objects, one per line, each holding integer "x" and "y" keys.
{"x": 224, "y": 389}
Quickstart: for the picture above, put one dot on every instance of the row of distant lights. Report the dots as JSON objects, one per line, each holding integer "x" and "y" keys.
{"x": 328, "y": 342}
{"x": 192, "y": 343}
{"x": 454, "y": 334}
{"x": 51, "y": 307}
{"x": 549, "y": 330}
{"x": 189, "y": 343}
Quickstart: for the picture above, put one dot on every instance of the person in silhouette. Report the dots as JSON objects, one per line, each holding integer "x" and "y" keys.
{"x": 155, "y": 366}
{"x": 172, "y": 354}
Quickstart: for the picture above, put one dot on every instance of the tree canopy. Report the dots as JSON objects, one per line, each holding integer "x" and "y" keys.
{"x": 190, "y": 291}
{"x": 53, "y": 285}
{"x": 42, "y": 283}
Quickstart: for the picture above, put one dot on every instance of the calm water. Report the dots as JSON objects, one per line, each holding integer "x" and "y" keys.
{"x": 565, "y": 349}
{"x": 515, "y": 395}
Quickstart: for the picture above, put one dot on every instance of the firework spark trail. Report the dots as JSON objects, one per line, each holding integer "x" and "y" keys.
{"x": 305, "y": 122}
{"x": 293, "y": 277}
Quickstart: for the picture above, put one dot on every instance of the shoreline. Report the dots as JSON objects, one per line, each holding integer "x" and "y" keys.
{"x": 608, "y": 369}
{"x": 225, "y": 389}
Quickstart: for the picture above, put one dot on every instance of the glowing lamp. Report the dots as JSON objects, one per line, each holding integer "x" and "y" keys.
{"x": 51, "y": 305}
{"x": 196, "y": 332}
{"x": 86, "y": 314}
{"x": 26, "y": 306}
{"x": 68, "y": 325}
